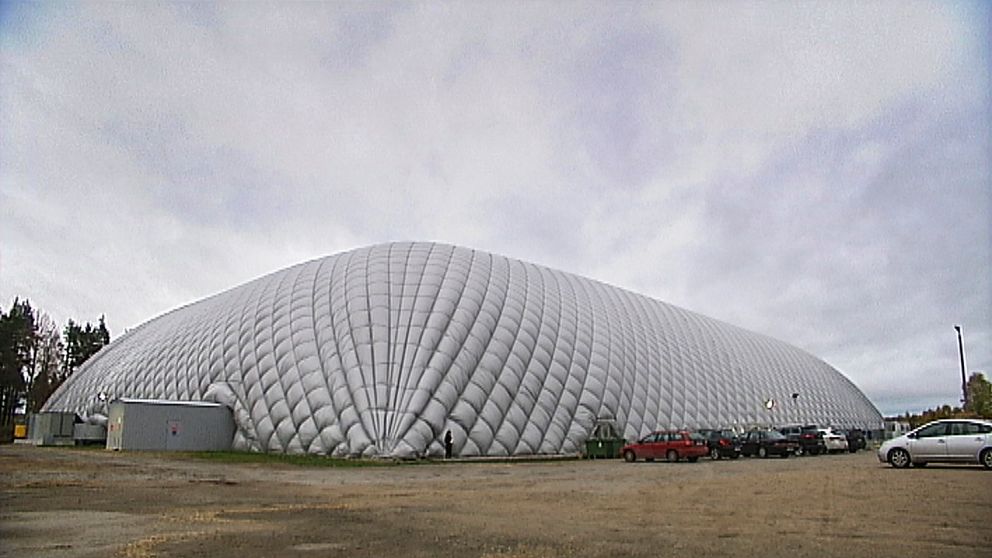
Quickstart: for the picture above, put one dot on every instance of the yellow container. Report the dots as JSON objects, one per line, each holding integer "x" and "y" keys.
{"x": 20, "y": 431}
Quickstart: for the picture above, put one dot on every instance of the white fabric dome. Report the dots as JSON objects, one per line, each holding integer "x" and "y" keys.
{"x": 381, "y": 350}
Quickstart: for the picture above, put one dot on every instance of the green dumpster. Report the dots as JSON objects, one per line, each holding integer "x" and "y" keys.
{"x": 604, "y": 442}
{"x": 604, "y": 449}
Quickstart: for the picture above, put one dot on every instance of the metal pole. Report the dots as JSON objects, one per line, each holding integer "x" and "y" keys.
{"x": 964, "y": 379}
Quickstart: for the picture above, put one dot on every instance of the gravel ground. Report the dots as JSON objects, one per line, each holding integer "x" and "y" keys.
{"x": 94, "y": 503}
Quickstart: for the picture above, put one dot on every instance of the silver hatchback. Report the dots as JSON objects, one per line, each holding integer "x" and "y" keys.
{"x": 944, "y": 441}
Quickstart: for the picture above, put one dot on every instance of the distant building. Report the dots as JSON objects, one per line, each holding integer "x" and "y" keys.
{"x": 896, "y": 428}
{"x": 382, "y": 350}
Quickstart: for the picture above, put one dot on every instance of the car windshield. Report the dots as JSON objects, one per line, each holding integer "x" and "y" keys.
{"x": 728, "y": 434}
{"x": 773, "y": 435}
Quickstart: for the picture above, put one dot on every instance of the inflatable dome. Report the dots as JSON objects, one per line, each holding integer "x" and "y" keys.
{"x": 381, "y": 351}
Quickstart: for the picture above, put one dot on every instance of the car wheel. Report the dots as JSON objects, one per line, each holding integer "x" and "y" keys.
{"x": 799, "y": 452}
{"x": 714, "y": 454}
{"x": 629, "y": 456}
{"x": 672, "y": 456}
{"x": 762, "y": 453}
{"x": 986, "y": 458}
{"x": 899, "y": 458}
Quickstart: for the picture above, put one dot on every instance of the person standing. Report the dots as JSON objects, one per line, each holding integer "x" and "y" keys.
{"x": 448, "y": 444}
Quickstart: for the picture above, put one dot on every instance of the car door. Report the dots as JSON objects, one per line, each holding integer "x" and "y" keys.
{"x": 750, "y": 443}
{"x": 964, "y": 441}
{"x": 654, "y": 445}
{"x": 643, "y": 447}
{"x": 666, "y": 444}
{"x": 930, "y": 443}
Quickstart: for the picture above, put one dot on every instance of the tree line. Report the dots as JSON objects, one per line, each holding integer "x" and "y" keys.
{"x": 36, "y": 356}
{"x": 978, "y": 404}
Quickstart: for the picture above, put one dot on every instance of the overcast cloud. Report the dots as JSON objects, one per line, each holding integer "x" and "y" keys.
{"x": 816, "y": 172}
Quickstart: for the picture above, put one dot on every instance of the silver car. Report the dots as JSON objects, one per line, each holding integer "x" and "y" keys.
{"x": 946, "y": 441}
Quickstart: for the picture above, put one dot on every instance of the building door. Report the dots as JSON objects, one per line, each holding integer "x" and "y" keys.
{"x": 174, "y": 435}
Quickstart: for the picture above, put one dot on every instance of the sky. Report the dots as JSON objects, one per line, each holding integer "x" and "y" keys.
{"x": 820, "y": 172}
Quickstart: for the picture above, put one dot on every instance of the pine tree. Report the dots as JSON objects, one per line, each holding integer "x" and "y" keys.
{"x": 979, "y": 395}
{"x": 17, "y": 352}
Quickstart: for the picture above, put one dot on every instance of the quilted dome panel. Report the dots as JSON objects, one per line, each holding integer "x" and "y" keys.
{"x": 381, "y": 350}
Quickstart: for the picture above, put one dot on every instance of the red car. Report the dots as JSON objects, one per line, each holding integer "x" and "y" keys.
{"x": 671, "y": 445}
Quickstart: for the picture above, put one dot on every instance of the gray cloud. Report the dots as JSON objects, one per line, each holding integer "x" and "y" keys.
{"x": 819, "y": 173}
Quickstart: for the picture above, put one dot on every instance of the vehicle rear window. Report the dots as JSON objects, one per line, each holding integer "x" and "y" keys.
{"x": 969, "y": 428}
{"x": 696, "y": 437}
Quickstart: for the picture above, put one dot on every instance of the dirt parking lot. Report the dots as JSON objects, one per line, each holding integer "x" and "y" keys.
{"x": 82, "y": 503}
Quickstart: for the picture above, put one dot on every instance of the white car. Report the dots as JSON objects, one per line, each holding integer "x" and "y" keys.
{"x": 834, "y": 441}
{"x": 948, "y": 441}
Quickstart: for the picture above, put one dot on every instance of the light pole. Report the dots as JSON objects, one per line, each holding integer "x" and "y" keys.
{"x": 964, "y": 380}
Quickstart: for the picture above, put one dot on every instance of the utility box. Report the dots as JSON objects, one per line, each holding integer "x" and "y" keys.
{"x": 159, "y": 425}
{"x": 51, "y": 429}
{"x": 85, "y": 434}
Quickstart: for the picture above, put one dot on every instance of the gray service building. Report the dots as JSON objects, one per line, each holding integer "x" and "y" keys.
{"x": 159, "y": 425}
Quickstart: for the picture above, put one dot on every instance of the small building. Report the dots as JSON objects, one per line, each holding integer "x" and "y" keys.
{"x": 51, "y": 428}
{"x": 161, "y": 425}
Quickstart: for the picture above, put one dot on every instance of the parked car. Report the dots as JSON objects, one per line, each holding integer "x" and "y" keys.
{"x": 672, "y": 445}
{"x": 833, "y": 440}
{"x": 948, "y": 441}
{"x": 767, "y": 442}
{"x": 855, "y": 439}
{"x": 722, "y": 443}
{"x": 808, "y": 436}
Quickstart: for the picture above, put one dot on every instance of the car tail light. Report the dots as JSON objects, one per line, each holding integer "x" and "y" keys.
{"x": 724, "y": 442}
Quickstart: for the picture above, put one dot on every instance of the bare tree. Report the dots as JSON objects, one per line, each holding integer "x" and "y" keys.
{"x": 46, "y": 362}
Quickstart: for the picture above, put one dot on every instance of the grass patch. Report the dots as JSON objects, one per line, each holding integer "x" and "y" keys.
{"x": 295, "y": 460}
{"x": 78, "y": 447}
{"x": 324, "y": 461}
